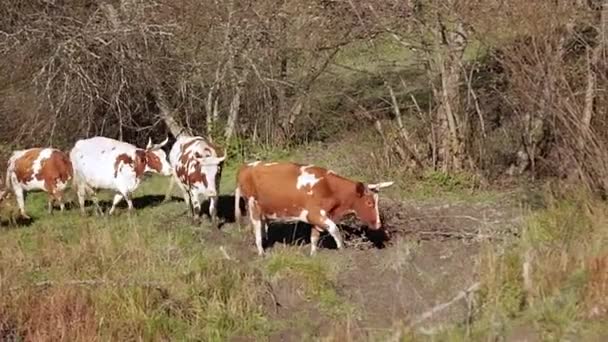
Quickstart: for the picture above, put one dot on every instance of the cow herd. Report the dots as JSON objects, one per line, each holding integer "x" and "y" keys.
{"x": 282, "y": 191}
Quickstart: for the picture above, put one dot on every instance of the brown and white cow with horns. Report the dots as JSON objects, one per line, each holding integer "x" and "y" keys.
{"x": 295, "y": 192}
{"x": 45, "y": 169}
{"x": 197, "y": 168}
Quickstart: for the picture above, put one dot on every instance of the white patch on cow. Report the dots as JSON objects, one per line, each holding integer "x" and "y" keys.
{"x": 331, "y": 172}
{"x": 304, "y": 215}
{"x": 306, "y": 178}
{"x": 270, "y": 164}
{"x": 334, "y": 231}
{"x": 44, "y": 155}
{"x": 323, "y": 212}
{"x": 272, "y": 216}
{"x": 257, "y": 227}
{"x": 254, "y": 163}
{"x": 309, "y": 192}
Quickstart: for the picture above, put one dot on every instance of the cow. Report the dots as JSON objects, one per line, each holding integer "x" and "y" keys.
{"x": 197, "y": 166}
{"x": 104, "y": 163}
{"x": 292, "y": 192}
{"x": 40, "y": 168}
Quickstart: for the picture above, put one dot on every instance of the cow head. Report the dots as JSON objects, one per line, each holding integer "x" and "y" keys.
{"x": 209, "y": 168}
{"x": 156, "y": 158}
{"x": 366, "y": 203}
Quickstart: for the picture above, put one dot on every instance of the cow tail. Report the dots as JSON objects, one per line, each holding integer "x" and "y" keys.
{"x": 9, "y": 169}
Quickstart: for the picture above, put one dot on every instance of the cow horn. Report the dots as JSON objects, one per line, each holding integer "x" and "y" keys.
{"x": 380, "y": 185}
{"x": 211, "y": 160}
{"x": 149, "y": 144}
{"x": 163, "y": 143}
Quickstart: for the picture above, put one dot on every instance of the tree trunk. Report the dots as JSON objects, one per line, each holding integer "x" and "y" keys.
{"x": 312, "y": 74}
{"x": 405, "y": 136}
{"x": 235, "y": 105}
{"x": 448, "y": 60}
{"x": 167, "y": 115}
{"x": 593, "y": 55}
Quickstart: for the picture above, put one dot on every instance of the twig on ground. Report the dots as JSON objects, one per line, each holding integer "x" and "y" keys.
{"x": 225, "y": 253}
{"x": 438, "y": 308}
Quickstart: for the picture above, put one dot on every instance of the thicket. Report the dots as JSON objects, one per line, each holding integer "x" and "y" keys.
{"x": 494, "y": 87}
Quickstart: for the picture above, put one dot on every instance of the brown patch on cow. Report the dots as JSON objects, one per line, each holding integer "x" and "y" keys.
{"x": 190, "y": 143}
{"x": 141, "y": 160}
{"x": 24, "y": 165}
{"x": 190, "y": 178}
{"x": 138, "y": 165}
{"x": 123, "y": 158}
{"x": 274, "y": 188}
{"x": 56, "y": 168}
{"x": 153, "y": 161}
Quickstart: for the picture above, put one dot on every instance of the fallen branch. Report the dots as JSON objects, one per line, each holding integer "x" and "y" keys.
{"x": 438, "y": 308}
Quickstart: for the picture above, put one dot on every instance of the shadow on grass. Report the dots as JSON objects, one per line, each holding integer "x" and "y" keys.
{"x": 294, "y": 233}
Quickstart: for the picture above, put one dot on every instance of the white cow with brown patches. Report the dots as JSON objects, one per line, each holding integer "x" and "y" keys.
{"x": 295, "y": 192}
{"x": 45, "y": 169}
{"x": 197, "y": 168}
{"x": 104, "y": 163}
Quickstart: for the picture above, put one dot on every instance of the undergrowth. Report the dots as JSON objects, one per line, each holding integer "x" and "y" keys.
{"x": 151, "y": 275}
{"x": 551, "y": 282}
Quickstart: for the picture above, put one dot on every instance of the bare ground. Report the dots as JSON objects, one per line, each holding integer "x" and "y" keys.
{"x": 426, "y": 257}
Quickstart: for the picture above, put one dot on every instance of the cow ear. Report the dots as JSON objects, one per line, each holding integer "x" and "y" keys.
{"x": 360, "y": 189}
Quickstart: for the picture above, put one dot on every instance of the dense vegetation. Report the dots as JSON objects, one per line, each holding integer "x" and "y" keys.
{"x": 446, "y": 97}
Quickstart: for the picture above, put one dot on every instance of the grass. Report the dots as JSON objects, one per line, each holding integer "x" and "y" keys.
{"x": 561, "y": 296}
{"x": 152, "y": 276}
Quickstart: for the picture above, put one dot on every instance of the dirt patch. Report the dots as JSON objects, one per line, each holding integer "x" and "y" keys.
{"x": 425, "y": 256}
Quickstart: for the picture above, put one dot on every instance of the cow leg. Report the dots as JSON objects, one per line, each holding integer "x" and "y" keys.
{"x": 129, "y": 202}
{"x": 213, "y": 209}
{"x": 196, "y": 206}
{"x": 256, "y": 221}
{"x": 237, "y": 206}
{"x": 170, "y": 187}
{"x": 55, "y": 197}
{"x": 81, "y": 194}
{"x": 98, "y": 209}
{"x": 50, "y": 204}
{"x": 335, "y": 232}
{"x": 59, "y": 199}
{"x": 117, "y": 199}
{"x": 319, "y": 219}
{"x": 20, "y": 201}
{"x": 314, "y": 240}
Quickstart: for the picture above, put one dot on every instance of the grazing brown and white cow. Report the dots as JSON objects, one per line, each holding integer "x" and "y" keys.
{"x": 104, "y": 163}
{"x": 197, "y": 168}
{"x": 45, "y": 169}
{"x": 295, "y": 192}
